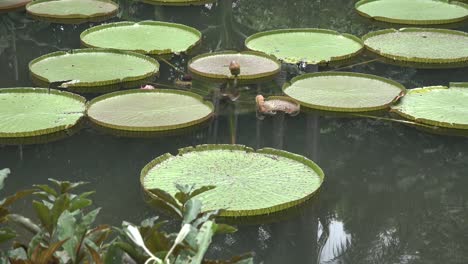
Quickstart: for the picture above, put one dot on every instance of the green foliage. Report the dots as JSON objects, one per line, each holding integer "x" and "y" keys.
{"x": 188, "y": 246}
{"x": 66, "y": 232}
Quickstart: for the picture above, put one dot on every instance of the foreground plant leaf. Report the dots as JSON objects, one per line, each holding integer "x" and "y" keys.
{"x": 416, "y": 12}
{"x": 29, "y": 112}
{"x": 90, "y": 69}
{"x": 309, "y": 45}
{"x": 148, "y": 37}
{"x": 419, "y": 45}
{"x": 253, "y": 65}
{"x": 343, "y": 91}
{"x": 72, "y": 11}
{"x": 149, "y": 110}
{"x": 247, "y": 182}
{"x": 11, "y": 5}
{"x": 436, "y": 105}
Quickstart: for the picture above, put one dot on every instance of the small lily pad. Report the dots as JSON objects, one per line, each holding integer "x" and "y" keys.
{"x": 253, "y": 65}
{"x": 436, "y": 105}
{"x": 418, "y": 45}
{"x": 92, "y": 70}
{"x": 148, "y": 37}
{"x": 178, "y": 2}
{"x": 343, "y": 91}
{"x": 27, "y": 112}
{"x": 72, "y": 11}
{"x": 149, "y": 110}
{"x": 313, "y": 46}
{"x": 247, "y": 182}
{"x": 11, "y": 5}
{"x": 415, "y": 12}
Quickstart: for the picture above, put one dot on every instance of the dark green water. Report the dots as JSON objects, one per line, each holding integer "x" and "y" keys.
{"x": 392, "y": 194}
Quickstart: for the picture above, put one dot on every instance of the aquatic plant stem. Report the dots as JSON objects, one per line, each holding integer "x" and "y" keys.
{"x": 172, "y": 65}
{"x": 393, "y": 120}
{"x": 353, "y": 65}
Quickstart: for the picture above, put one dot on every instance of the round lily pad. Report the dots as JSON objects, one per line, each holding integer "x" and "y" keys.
{"x": 10, "y": 5}
{"x": 418, "y": 45}
{"x": 178, "y": 2}
{"x": 436, "y": 105}
{"x": 415, "y": 12}
{"x": 72, "y": 11}
{"x": 91, "y": 70}
{"x": 253, "y": 65}
{"x": 149, "y": 110}
{"x": 343, "y": 91}
{"x": 247, "y": 182}
{"x": 313, "y": 46}
{"x": 27, "y": 112}
{"x": 149, "y": 37}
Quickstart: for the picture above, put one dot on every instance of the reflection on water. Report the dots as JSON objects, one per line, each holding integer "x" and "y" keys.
{"x": 392, "y": 194}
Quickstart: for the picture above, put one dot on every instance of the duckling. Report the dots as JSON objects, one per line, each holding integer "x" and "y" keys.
{"x": 234, "y": 67}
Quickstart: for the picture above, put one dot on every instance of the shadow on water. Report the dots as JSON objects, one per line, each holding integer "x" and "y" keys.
{"x": 392, "y": 194}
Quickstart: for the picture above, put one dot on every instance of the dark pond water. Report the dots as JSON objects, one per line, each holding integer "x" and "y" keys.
{"x": 393, "y": 194}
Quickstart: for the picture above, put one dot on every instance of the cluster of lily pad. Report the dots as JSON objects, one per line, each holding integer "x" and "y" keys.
{"x": 113, "y": 60}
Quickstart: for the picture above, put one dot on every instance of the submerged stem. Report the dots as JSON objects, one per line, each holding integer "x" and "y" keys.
{"x": 172, "y": 65}
{"x": 356, "y": 64}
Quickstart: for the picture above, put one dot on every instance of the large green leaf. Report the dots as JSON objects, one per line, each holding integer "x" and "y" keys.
{"x": 72, "y": 11}
{"x": 32, "y": 112}
{"x": 247, "y": 182}
{"x": 253, "y": 65}
{"x": 149, "y": 110}
{"x": 436, "y": 105}
{"x": 89, "y": 69}
{"x": 425, "y": 46}
{"x": 313, "y": 46}
{"x": 416, "y": 12}
{"x": 343, "y": 91}
{"x": 8, "y": 5}
{"x": 178, "y": 2}
{"x": 149, "y": 37}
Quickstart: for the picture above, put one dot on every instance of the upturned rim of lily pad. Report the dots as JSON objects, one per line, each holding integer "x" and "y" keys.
{"x": 344, "y": 74}
{"x": 425, "y": 62}
{"x": 20, "y": 4}
{"x": 47, "y": 131}
{"x": 310, "y": 30}
{"x": 411, "y": 21}
{"x": 151, "y": 128}
{"x": 425, "y": 121}
{"x": 241, "y": 77}
{"x": 97, "y": 86}
{"x": 178, "y": 3}
{"x": 146, "y": 23}
{"x": 72, "y": 18}
{"x": 271, "y": 152}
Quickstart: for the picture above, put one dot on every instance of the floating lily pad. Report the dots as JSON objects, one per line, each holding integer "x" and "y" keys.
{"x": 149, "y": 110}
{"x": 343, "y": 91}
{"x": 93, "y": 70}
{"x": 11, "y": 5}
{"x": 149, "y": 37}
{"x": 27, "y": 112}
{"x": 247, "y": 182}
{"x": 313, "y": 46}
{"x": 436, "y": 105}
{"x": 253, "y": 65}
{"x": 72, "y": 11}
{"x": 178, "y": 2}
{"x": 417, "y": 45}
{"x": 415, "y": 12}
